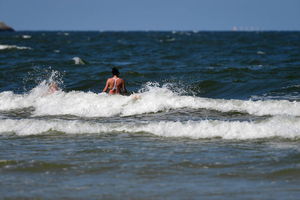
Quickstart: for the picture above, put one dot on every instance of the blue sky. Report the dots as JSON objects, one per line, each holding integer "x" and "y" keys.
{"x": 151, "y": 14}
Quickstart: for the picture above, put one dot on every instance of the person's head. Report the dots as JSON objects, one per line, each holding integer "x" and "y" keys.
{"x": 115, "y": 71}
{"x": 53, "y": 85}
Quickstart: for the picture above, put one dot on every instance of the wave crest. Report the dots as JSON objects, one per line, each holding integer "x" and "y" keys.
{"x": 6, "y": 47}
{"x": 283, "y": 127}
{"x": 150, "y": 99}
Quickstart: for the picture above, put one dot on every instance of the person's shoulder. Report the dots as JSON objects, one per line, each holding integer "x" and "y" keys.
{"x": 122, "y": 80}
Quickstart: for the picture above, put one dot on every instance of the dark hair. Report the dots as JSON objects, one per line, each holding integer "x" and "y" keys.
{"x": 115, "y": 71}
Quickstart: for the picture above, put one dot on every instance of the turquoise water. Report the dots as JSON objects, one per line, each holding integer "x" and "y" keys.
{"x": 217, "y": 115}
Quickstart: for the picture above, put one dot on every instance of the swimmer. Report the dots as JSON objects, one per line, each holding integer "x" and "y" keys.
{"x": 116, "y": 85}
{"x": 136, "y": 97}
{"x": 52, "y": 87}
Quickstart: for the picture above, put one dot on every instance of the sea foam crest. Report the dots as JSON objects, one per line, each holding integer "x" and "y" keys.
{"x": 4, "y": 47}
{"x": 149, "y": 100}
{"x": 283, "y": 127}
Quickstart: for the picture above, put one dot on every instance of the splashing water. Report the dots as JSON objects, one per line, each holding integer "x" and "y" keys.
{"x": 41, "y": 77}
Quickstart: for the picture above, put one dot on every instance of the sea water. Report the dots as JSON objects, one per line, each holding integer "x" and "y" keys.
{"x": 209, "y": 115}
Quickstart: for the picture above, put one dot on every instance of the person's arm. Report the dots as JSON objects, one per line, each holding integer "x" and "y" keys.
{"x": 124, "y": 90}
{"x": 106, "y": 86}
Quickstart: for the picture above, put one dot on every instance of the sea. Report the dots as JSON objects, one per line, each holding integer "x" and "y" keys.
{"x": 208, "y": 115}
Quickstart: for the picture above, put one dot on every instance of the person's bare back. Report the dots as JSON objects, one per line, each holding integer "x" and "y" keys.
{"x": 115, "y": 84}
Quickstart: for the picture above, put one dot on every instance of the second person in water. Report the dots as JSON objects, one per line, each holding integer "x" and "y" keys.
{"x": 115, "y": 84}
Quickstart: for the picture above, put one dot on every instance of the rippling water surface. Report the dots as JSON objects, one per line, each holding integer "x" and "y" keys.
{"x": 214, "y": 115}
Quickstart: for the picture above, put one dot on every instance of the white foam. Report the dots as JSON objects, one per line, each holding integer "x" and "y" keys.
{"x": 284, "y": 127}
{"x": 78, "y": 61}
{"x": 152, "y": 99}
{"x": 260, "y": 52}
{"x": 26, "y": 36}
{"x": 4, "y": 47}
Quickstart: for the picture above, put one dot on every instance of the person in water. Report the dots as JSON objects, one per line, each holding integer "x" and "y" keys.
{"x": 53, "y": 87}
{"x": 116, "y": 85}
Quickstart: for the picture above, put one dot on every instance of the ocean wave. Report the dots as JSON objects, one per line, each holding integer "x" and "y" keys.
{"x": 150, "y": 99}
{"x": 5, "y": 47}
{"x": 283, "y": 127}
{"x": 290, "y": 92}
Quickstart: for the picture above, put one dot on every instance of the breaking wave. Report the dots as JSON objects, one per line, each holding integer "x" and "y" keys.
{"x": 283, "y": 127}
{"x": 5, "y": 47}
{"x": 150, "y": 99}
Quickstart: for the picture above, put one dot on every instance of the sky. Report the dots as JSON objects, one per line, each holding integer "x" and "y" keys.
{"x": 128, "y": 15}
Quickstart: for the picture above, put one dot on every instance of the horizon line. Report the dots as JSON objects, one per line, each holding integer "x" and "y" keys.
{"x": 161, "y": 30}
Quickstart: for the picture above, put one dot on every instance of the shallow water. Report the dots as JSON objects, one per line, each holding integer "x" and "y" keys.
{"x": 217, "y": 115}
{"x": 141, "y": 166}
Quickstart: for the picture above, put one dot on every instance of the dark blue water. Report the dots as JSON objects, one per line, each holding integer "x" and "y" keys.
{"x": 211, "y": 64}
{"x": 212, "y": 115}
